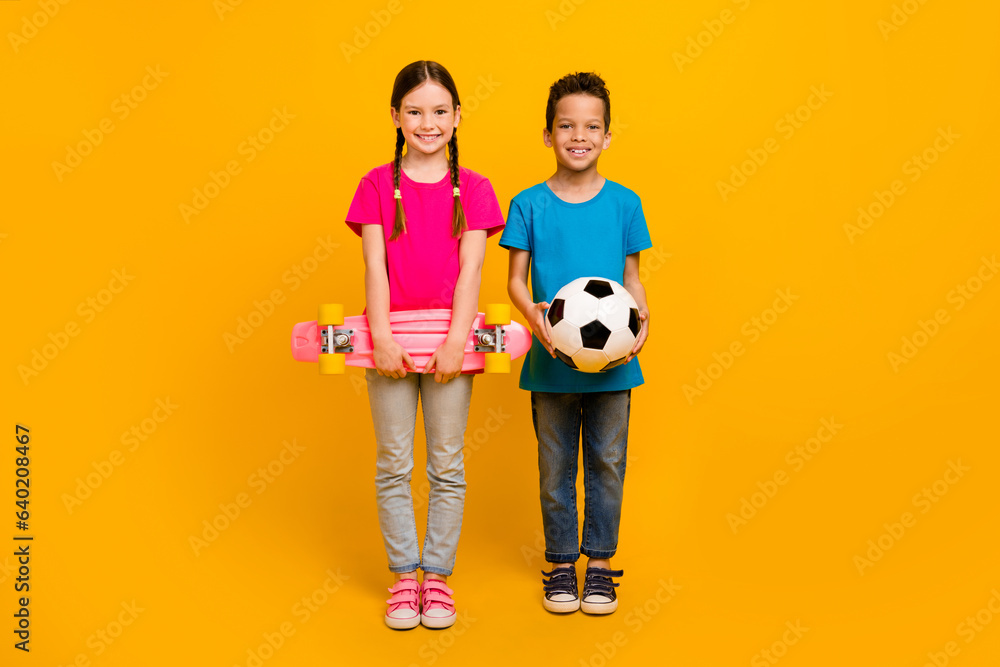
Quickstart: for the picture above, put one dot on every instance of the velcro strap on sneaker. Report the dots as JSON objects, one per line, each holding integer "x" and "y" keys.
{"x": 436, "y": 585}
{"x": 404, "y": 597}
{"x": 404, "y": 590}
{"x": 436, "y": 593}
{"x": 437, "y": 597}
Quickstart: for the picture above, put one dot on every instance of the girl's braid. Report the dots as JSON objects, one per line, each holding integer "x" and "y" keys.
{"x": 399, "y": 226}
{"x": 458, "y": 218}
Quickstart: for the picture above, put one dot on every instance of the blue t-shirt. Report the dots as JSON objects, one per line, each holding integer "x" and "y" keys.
{"x": 568, "y": 241}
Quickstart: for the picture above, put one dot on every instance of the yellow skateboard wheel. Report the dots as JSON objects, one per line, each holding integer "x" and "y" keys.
{"x": 497, "y": 313}
{"x": 332, "y": 364}
{"x": 497, "y": 362}
{"x": 330, "y": 313}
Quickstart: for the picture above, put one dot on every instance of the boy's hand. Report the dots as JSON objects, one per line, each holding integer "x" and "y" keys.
{"x": 640, "y": 340}
{"x": 446, "y": 361}
{"x": 540, "y": 325}
{"x": 391, "y": 360}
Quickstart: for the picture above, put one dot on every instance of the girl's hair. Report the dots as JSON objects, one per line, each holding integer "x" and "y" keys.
{"x": 409, "y": 78}
{"x": 578, "y": 83}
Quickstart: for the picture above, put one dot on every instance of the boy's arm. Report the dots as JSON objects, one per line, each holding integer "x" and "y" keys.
{"x": 389, "y": 356}
{"x": 517, "y": 288}
{"x": 634, "y": 286}
{"x": 448, "y": 357}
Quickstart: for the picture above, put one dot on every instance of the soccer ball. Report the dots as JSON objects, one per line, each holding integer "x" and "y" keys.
{"x": 594, "y": 323}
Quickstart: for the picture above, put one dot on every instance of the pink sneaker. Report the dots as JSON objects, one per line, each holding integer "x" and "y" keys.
{"x": 404, "y": 605}
{"x": 438, "y": 609}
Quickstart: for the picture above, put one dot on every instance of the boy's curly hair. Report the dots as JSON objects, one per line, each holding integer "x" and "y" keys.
{"x": 585, "y": 83}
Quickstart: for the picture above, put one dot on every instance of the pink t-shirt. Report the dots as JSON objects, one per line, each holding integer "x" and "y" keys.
{"x": 423, "y": 262}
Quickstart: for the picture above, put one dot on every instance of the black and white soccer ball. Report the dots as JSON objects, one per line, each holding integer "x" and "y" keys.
{"x": 595, "y": 322}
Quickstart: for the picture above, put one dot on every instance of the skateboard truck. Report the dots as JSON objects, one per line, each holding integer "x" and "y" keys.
{"x": 490, "y": 340}
{"x": 342, "y": 340}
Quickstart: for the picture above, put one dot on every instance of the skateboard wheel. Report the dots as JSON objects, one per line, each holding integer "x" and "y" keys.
{"x": 330, "y": 313}
{"x": 497, "y": 313}
{"x": 497, "y": 362}
{"x": 332, "y": 364}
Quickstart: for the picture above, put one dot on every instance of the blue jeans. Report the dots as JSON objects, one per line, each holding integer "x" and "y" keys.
{"x": 558, "y": 419}
{"x": 394, "y": 415}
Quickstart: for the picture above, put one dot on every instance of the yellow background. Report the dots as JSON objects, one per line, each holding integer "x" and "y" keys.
{"x": 716, "y": 264}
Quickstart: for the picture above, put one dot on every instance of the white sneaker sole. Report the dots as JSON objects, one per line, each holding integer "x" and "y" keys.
{"x": 562, "y": 607}
{"x": 599, "y": 607}
{"x": 402, "y": 623}
{"x": 438, "y": 622}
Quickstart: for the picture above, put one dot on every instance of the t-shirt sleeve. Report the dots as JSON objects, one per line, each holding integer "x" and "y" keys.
{"x": 482, "y": 210}
{"x": 365, "y": 207}
{"x": 515, "y": 234}
{"x": 637, "y": 238}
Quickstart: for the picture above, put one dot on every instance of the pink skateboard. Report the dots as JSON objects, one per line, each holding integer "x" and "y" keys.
{"x": 335, "y": 341}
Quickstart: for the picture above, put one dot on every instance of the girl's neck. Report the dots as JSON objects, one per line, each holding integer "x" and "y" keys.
{"x": 424, "y": 168}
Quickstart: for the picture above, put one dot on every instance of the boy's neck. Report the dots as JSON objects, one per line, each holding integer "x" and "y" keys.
{"x": 575, "y": 187}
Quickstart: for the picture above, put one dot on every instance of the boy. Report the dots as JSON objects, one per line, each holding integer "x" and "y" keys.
{"x": 577, "y": 223}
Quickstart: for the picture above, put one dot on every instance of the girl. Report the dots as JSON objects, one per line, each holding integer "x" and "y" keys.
{"x": 423, "y": 222}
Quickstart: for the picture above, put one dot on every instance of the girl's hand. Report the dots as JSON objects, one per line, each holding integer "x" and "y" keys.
{"x": 540, "y": 326}
{"x": 640, "y": 340}
{"x": 391, "y": 360}
{"x": 447, "y": 361}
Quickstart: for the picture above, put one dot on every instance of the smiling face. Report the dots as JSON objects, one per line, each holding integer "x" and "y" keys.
{"x": 578, "y": 134}
{"x": 427, "y": 116}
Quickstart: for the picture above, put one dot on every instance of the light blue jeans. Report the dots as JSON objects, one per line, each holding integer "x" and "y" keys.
{"x": 394, "y": 415}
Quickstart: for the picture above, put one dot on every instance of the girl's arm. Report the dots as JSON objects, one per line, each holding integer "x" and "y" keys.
{"x": 447, "y": 359}
{"x": 634, "y": 286}
{"x": 389, "y": 356}
{"x": 517, "y": 289}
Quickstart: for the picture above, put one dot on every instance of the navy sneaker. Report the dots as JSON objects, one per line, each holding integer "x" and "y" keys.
{"x": 599, "y": 591}
{"x": 560, "y": 590}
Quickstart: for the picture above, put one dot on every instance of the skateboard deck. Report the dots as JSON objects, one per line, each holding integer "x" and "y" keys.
{"x": 420, "y": 332}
